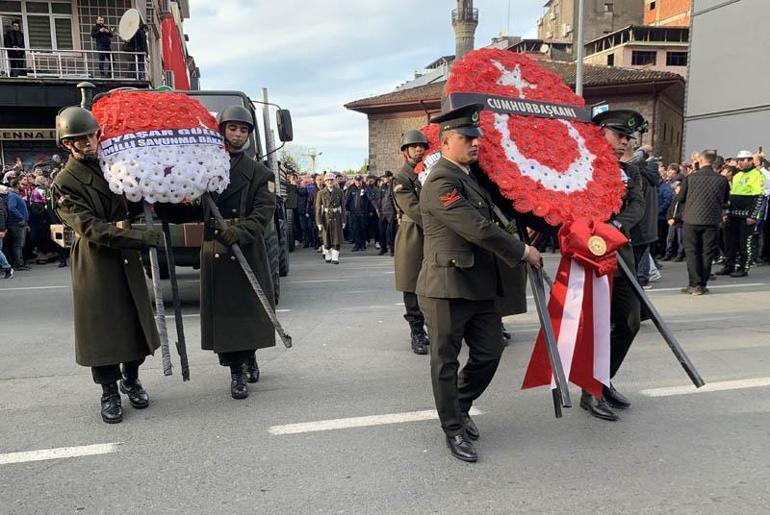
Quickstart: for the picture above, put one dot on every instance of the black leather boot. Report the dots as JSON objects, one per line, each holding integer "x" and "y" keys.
{"x": 615, "y": 398}
{"x": 112, "y": 411}
{"x": 238, "y": 387}
{"x": 252, "y": 369}
{"x": 136, "y": 393}
{"x": 420, "y": 340}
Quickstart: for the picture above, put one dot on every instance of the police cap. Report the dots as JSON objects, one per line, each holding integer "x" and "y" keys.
{"x": 624, "y": 121}
{"x": 465, "y": 120}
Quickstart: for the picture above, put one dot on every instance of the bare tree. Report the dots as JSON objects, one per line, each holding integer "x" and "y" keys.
{"x": 296, "y": 157}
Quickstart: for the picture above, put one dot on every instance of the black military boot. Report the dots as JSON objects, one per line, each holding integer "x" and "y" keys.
{"x": 112, "y": 411}
{"x": 420, "y": 340}
{"x": 131, "y": 387}
{"x": 252, "y": 369}
{"x": 238, "y": 388}
{"x": 614, "y": 398}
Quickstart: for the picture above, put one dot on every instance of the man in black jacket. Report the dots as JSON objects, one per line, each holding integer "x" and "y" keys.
{"x": 103, "y": 39}
{"x": 4, "y": 264}
{"x": 358, "y": 206}
{"x": 14, "y": 38}
{"x": 703, "y": 197}
{"x": 387, "y": 214}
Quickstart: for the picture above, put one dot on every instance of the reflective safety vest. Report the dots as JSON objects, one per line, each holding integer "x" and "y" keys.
{"x": 748, "y": 183}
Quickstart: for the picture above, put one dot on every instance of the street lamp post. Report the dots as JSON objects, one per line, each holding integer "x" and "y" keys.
{"x": 313, "y": 155}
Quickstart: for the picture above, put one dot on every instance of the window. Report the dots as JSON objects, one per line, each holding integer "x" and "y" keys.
{"x": 46, "y": 24}
{"x": 665, "y": 131}
{"x": 652, "y": 6}
{"x": 608, "y": 8}
{"x": 611, "y": 60}
{"x": 643, "y": 58}
{"x": 676, "y": 58}
{"x": 111, "y": 11}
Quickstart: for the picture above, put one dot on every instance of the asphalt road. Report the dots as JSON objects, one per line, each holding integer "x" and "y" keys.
{"x": 196, "y": 450}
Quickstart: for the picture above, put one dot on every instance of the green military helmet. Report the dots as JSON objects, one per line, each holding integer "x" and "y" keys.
{"x": 413, "y": 137}
{"x": 73, "y": 122}
{"x": 236, "y": 113}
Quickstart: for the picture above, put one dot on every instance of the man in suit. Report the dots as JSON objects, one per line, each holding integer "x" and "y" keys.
{"x": 460, "y": 280}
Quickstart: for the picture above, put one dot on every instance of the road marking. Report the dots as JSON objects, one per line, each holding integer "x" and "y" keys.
{"x": 313, "y": 281}
{"x": 58, "y": 453}
{"x": 35, "y": 288}
{"x": 347, "y": 423}
{"x": 719, "y": 386}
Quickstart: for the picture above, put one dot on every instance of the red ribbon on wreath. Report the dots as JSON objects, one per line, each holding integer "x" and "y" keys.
{"x": 579, "y": 308}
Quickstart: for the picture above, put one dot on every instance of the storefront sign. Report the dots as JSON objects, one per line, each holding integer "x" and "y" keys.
{"x": 27, "y": 134}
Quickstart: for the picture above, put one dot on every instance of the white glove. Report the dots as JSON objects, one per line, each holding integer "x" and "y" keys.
{"x": 320, "y": 227}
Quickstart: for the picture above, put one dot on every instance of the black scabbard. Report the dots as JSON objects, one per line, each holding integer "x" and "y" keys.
{"x": 181, "y": 343}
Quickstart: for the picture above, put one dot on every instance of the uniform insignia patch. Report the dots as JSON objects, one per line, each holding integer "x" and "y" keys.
{"x": 271, "y": 186}
{"x": 451, "y": 198}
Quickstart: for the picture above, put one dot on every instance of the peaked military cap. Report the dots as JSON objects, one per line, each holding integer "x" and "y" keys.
{"x": 624, "y": 121}
{"x": 465, "y": 120}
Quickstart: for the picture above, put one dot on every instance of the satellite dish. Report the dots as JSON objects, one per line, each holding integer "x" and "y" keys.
{"x": 129, "y": 24}
{"x": 545, "y": 48}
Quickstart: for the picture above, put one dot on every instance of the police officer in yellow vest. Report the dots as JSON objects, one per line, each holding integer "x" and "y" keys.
{"x": 746, "y": 207}
{"x": 460, "y": 279}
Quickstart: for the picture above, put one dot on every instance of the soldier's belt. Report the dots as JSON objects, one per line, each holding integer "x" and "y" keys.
{"x": 212, "y": 224}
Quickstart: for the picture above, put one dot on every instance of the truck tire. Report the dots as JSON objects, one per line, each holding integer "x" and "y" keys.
{"x": 273, "y": 252}
{"x": 283, "y": 255}
{"x": 290, "y": 236}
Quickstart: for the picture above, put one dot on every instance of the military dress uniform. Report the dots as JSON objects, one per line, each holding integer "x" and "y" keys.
{"x": 408, "y": 251}
{"x": 329, "y": 215}
{"x": 458, "y": 285}
{"x": 114, "y": 321}
{"x": 624, "y": 305}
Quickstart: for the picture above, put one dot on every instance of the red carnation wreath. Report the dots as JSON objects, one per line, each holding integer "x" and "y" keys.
{"x": 560, "y": 170}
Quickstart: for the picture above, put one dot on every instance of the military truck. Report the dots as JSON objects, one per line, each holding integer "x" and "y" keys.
{"x": 186, "y": 238}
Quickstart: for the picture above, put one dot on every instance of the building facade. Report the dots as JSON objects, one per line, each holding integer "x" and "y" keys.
{"x": 657, "y": 95}
{"x": 667, "y": 13}
{"x": 656, "y": 48}
{"x": 59, "y": 52}
{"x": 600, "y": 17}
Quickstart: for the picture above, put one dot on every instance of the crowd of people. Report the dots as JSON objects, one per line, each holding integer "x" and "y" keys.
{"x": 710, "y": 210}
{"x": 26, "y": 215}
{"x": 369, "y": 211}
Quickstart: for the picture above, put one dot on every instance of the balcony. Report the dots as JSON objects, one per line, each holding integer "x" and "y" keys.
{"x": 42, "y": 63}
{"x": 461, "y": 15}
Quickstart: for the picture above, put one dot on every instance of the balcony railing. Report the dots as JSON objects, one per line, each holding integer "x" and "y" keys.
{"x": 466, "y": 14}
{"x": 45, "y": 63}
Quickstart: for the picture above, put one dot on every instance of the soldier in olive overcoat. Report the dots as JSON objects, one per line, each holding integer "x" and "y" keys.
{"x": 114, "y": 322}
{"x": 409, "y": 238}
{"x": 330, "y": 217}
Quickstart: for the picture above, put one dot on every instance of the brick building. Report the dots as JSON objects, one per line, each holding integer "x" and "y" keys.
{"x": 657, "y": 95}
{"x": 600, "y": 17}
{"x": 667, "y": 13}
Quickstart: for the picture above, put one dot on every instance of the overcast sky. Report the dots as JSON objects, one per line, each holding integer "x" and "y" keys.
{"x": 316, "y": 55}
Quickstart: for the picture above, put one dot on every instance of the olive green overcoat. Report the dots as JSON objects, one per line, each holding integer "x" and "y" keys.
{"x": 114, "y": 321}
{"x": 232, "y": 318}
{"x": 330, "y": 214}
{"x": 409, "y": 237}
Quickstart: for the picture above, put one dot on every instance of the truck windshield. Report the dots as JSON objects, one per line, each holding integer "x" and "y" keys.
{"x": 215, "y": 103}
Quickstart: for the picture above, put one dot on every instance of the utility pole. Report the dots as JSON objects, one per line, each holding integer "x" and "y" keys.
{"x": 578, "y": 42}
